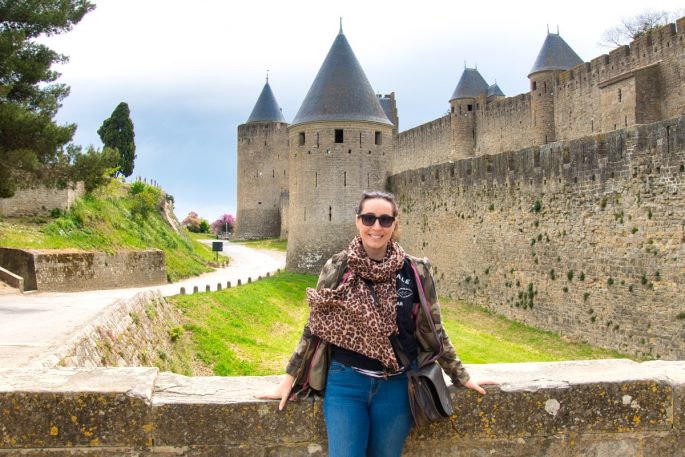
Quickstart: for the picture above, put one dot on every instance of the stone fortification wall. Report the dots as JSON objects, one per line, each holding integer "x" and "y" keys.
{"x": 40, "y": 200}
{"x": 424, "y": 145}
{"x": 585, "y": 237}
{"x": 638, "y": 83}
{"x": 572, "y": 409}
{"x": 262, "y": 178}
{"x": 69, "y": 270}
{"x": 326, "y": 181}
{"x": 503, "y": 125}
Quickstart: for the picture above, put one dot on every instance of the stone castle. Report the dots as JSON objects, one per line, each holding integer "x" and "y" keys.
{"x": 560, "y": 207}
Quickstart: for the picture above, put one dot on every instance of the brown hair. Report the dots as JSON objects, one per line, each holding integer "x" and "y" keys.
{"x": 368, "y": 195}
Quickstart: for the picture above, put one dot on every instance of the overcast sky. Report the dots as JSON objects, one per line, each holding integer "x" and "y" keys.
{"x": 192, "y": 71}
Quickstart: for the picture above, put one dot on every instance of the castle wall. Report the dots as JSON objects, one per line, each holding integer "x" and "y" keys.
{"x": 583, "y": 237}
{"x": 648, "y": 73}
{"x": 40, "y": 200}
{"x": 424, "y": 145}
{"x": 503, "y": 125}
{"x": 326, "y": 182}
{"x": 567, "y": 409}
{"x": 262, "y": 178}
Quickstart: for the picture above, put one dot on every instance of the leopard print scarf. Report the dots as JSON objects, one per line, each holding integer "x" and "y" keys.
{"x": 348, "y": 316}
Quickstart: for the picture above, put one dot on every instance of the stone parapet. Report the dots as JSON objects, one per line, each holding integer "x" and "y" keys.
{"x": 584, "y": 408}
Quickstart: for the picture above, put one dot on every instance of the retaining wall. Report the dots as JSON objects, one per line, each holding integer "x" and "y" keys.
{"x": 69, "y": 270}
{"x": 598, "y": 408}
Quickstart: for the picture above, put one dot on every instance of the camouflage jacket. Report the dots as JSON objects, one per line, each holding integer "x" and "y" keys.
{"x": 430, "y": 346}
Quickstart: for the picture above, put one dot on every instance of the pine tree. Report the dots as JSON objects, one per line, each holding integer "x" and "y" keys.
{"x": 117, "y": 132}
{"x": 31, "y": 143}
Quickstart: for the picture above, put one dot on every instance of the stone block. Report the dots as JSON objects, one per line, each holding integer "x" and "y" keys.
{"x": 75, "y": 407}
{"x": 217, "y": 411}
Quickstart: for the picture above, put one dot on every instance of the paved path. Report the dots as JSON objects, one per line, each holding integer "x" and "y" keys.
{"x": 33, "y": 324}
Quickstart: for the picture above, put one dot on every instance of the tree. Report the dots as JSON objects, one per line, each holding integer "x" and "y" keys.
{"x": 117, "y": 132}
{"x": 30, "y": 140}
{"x": 631, "y": 28}
{"x": 95, "y": 168}
{"x": 192, "y": 222}
{"x": 223, "y": 225}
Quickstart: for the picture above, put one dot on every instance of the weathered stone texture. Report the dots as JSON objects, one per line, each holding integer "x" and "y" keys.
{"x": 584, "y": 237}
{"x": 262, "y": 179}
{"x": 70, "y": 270}
{"x": 565, "y": 409}
{"x": 40, "y": 200}
{"x": 326, "y": 181}
{"x": 131, "y": 333}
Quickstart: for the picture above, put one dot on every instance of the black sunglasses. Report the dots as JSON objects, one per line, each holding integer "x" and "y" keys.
{"x": 369, "y": 219}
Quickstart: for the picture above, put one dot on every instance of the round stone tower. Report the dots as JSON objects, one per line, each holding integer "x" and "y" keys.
{"x": 554, "y": 56}
{"x": 340, "y": 145}
{"x": 262, "y": 170}
{"x": 463, "y": 105}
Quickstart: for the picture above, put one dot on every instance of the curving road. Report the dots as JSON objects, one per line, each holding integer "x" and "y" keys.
{"x": 33, "y": 324}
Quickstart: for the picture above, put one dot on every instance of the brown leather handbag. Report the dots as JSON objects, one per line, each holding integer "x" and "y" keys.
{"x": 429, "y": 399}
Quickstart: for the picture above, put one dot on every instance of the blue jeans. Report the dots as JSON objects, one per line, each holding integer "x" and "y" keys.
{"x": 365, "y": 416}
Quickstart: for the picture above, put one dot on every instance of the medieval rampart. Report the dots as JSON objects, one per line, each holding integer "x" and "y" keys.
{"x": 611, "y": 407}
{"x": 583, "y": 237}
{"x": 503, "y": 125}
{"x": 424, "y": 145}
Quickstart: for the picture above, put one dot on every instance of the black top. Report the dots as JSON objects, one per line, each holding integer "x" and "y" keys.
{"x": 407, "y": 296}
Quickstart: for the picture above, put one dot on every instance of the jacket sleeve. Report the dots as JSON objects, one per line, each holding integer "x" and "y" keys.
{"x": 449, "y": 360}
{"x": 331, "y": 274}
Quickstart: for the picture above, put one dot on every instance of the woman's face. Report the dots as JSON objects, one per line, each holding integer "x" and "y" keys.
{"x": 375, "y": 238}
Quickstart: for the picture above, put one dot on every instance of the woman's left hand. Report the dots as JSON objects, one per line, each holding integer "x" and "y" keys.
{"x": 471, "y": 384}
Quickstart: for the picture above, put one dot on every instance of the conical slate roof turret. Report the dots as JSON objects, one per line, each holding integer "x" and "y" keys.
{"x": 266, "y": 109}
{"x": 340, "y": 91}
{"x": 471, "y": 85}
{"x": 494, "y": 90}
{"x": 555, "y": 54}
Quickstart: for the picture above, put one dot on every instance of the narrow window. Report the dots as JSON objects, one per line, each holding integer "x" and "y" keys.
{"x": 305, "y": 214}
{"x": 625, "y": 120}
{"x": 378, "y": 138}
{"x": 273, "y": 173}
{"x": 535, "y": 85}
{"x": 469, "y": 107}
{"x": 360, "y": 140}
{"x": 338, "y": 135}
{"x": 317, "y": 140}
{"x": 316, "y": 179}
{"x": 619, "y": 96}
{"x": 452, "y": 110}
{"x": 544, "y": 86}
{"x": 592, "y": 125}
{"x": 330, "y": 214}
{"x": 368, "y": 180}
{"x": 344, "y": 178}
{"x": 301, "y": 138}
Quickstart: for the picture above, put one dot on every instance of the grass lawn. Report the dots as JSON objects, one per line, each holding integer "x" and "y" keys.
{"x": 274, "y": 244}
{"x": 109, "y": 220}
{"x": 253, "y": 329}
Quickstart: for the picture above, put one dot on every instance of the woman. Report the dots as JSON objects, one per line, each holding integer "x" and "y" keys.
{"x": 365, "y": 295}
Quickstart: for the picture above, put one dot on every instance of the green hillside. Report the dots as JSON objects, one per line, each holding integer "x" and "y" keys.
{"x": 114, "y": 217}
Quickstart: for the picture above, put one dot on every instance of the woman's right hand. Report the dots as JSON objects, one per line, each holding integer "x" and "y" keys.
{"x": 281, "y": 393}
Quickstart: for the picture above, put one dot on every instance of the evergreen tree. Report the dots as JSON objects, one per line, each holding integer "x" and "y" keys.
{"x": 31, "y": 143}
{"x": 117, "y": 132}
